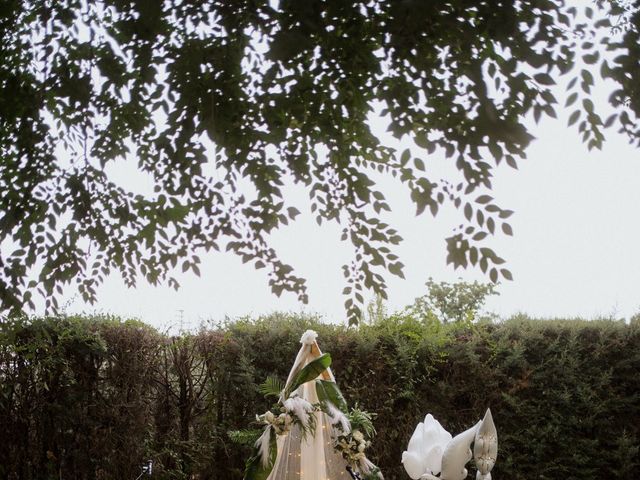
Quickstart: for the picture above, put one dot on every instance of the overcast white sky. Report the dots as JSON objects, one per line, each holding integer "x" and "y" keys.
{"x": 574, "y": 253}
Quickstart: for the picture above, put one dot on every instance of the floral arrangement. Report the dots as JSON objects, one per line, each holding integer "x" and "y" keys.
{"x": 351, "y": 430}
{"x": 281, "y": 424}
{"x": 352, "y": 446}
{"x": 294, "y": 411}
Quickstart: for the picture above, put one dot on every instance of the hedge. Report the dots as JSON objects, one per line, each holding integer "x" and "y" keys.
{"x": 93, "y": 398}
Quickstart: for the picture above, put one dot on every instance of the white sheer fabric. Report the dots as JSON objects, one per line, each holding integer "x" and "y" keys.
{"x": 313, "y": 457}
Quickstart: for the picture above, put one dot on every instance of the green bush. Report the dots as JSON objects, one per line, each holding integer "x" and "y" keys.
{"x": 85, "y": 398}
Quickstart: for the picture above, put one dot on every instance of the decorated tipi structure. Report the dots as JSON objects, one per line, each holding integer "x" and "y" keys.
{"x": 310, "y": 434}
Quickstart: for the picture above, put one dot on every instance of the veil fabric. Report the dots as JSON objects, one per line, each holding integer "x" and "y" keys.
{"x": 310, "y": 457}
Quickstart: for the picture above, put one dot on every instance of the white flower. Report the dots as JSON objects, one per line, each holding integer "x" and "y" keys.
{"x": 308, "y": 337}
{"x": 358, "y": 436}
{"x": 282, "y": 423}
{"x": 269, "y": 417}
{"x": 361, "y": 447}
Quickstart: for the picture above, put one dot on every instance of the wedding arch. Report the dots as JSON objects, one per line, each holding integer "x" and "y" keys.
{"x": 310, "y": 433}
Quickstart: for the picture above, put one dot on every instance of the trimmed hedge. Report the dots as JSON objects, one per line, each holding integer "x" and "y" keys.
{"x": 93, "y": 398}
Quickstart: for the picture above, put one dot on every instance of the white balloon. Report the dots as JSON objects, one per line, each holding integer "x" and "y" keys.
{"x": 432, "y": 450}
{"x": 436, "y": 439}
{"x": 433, "y": 459}
{"x": 457, "y": 453}
{"x": 413, "y": 458}
{"x": 413, "y": 464}
{"x": 416, "y": 442}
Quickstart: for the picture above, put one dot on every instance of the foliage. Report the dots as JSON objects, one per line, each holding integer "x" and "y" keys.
{"x": 96, "y": 397}
{"x": 451, "y": 302}
{"x": 329, "y": 392}
{"x": 272, "y": 387}
{"x": 363, "y": 421}
{"x": 375, "y": 310}
{"x": 310, "y": 371}
{"x": 207, "y": 95}
{"x": 76, "y": 396}
{"x": 246, "y": 437}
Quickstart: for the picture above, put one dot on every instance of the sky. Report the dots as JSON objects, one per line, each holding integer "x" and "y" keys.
{"x": 574, "y": 251}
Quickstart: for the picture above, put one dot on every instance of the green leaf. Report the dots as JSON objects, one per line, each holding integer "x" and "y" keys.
{"x": 396, "y": 269}
{"x": 272, "y": 386}
{"x": 405, "y": 157}
{"x": 246, "y": 437}
{"x": 574, "y": 117}
{"x": 493, "y": 275}
{"x": 329, "y": 392}
{"x": 591, "y": 58}
{"x": 363, "y": 421}
{"x": 511, "y": 161}
{"x": 311, "y": 371}
{"x": 571, "y": 99}
{"x": 496, "y": 151}
{"x": 293, "y": 212}
{"x": 544, "y": 79}
{"x": 587, "y": 77}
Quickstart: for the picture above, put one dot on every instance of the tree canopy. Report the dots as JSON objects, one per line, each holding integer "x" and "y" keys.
{"x": 223, "y": 103}
{"x": 451, "y": 302}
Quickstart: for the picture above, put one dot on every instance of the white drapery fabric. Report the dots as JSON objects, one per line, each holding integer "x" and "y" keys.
{"x": 313, "y": 457}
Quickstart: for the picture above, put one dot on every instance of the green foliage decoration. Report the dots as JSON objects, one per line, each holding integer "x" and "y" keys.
{"x": 245, "y": 437}
{"x": 204, "y": 96}
{"x": 309, "y": 372}
{"x": 272, "y": 387}
{"x": 363, "y": 421}
{"x": 329, "y": 392}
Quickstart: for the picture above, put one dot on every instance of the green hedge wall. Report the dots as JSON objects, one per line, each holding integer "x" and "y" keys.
{"x": 93, "y": 398}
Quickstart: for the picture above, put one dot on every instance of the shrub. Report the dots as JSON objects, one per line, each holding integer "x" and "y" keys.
{"x": 95, "y": 397}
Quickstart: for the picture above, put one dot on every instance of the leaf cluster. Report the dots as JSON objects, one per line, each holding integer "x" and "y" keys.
{"x": 206, "y": 97}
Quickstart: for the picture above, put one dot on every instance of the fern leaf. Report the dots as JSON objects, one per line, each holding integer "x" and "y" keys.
{"x": 272, "y": 386}
{"x": 244, "y": 437}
